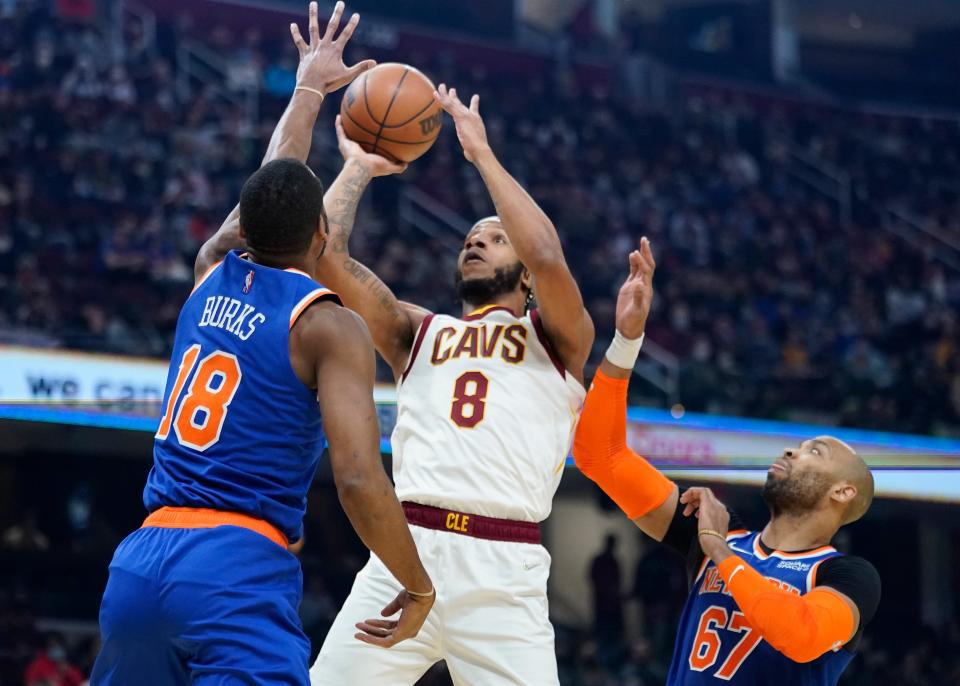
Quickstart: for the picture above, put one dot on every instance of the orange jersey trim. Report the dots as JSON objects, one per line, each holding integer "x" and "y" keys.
{"x": 306, "y": 301}
{"x": 205, "y": 275}
{"x": 790, "y": 556}
{"x": 202, "y": 518}
{"x": 298, "y": 271}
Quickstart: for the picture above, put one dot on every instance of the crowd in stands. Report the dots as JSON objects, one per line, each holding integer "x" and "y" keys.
{"x": 111, "y": 176}
{"x": 776, "y": 305}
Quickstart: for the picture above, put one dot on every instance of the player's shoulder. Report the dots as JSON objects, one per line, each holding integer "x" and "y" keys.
{"x": 327, "y": 321}
{"x": 854, "y": 577}
{"x": 847, "y": 567}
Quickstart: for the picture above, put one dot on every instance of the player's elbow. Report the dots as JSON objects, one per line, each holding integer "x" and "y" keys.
{"x": 800, "y": 654}
{"x": 354, "y": 492}
{"x": 355, "y": 484}
{"x": 792, "y": 629}
{"x": 584, "y": 457}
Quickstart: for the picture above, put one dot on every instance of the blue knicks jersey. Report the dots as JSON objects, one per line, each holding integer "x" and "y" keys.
{"x": 716, "y": 645}
{"x": 240, "y": 432}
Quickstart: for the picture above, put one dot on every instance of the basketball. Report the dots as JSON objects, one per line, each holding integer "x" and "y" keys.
{"x": 390, "y": 111}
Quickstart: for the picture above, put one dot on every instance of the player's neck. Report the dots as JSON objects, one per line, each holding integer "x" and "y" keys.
{"x": 793, "y": 533}
{"x": 513, "y": 302}
{"x": 303, "y": 264}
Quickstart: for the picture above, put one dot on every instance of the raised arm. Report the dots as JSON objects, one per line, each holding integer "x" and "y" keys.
{"x": 600, "y": 445}
{"x": 337, "y": 343}
{"x": 393, "y": 324}
{"x": 321, "y": 71}
{"x": 532, "y": 235}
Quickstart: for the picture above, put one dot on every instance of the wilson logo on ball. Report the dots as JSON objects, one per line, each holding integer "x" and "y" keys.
{"x": 430, "y": 124}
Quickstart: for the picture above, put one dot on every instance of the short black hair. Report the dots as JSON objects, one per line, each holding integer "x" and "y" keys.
{"x": 281, "y": 206}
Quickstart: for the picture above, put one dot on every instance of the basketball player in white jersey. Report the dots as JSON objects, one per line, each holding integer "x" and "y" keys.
{"x": 486, "y": 406}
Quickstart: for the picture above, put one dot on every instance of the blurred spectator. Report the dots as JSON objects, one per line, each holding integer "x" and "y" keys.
{"x": 50, "y": 666}
{"x": 25, "y": 535}
{"x": 775, "y": 305}
{"x": 605, "y": 581}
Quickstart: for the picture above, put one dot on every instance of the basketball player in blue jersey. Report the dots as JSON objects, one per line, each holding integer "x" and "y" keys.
{"x": 779, "y": 606}
{"x": 206, "y": 592}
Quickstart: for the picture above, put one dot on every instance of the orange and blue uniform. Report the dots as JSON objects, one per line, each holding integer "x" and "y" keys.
{"x": 206, "y": 591}
{"x": 717, "y": 641}
{"x": 760, "y": 617}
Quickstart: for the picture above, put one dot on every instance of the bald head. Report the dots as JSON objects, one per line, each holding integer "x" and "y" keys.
{"x": 821, "y": 474}
{"x": 851, "y": 468}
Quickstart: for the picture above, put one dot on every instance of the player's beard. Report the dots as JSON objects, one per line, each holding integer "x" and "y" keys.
{"x": 796, "y": 494}
{"x": 484, "y": 291}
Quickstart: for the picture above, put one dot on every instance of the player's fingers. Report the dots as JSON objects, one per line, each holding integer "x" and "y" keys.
{"x": 475, "y": 104}
{"x": 375, "y": 640}
{"x": 393, "y": 607}
{"x": 298, "y": 39}
{"x": 313, "y": 24}
{"x": 357, "y": 69}
{"x": 634, "y": 264}
{"x": 348, "y": 29}
{"x": 714, "y": 500}
{"x": 373, "y": 630}
{"x": 647, "y": 252}
{"x": 376, "y": 627}
{"x": 332, "y": 24}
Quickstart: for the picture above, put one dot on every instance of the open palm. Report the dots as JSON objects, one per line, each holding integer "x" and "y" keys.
{"x": 636, "y": 293}
{"x": 321, "y": 60}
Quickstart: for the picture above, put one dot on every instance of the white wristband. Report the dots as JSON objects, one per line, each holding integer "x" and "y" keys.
{"x": 623, "y": 352}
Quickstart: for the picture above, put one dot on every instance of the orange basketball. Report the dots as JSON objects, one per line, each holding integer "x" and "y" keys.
{"x": 390, "y": 111}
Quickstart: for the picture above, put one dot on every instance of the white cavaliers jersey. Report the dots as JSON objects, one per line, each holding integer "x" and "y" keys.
{"x": 485, "y": 416}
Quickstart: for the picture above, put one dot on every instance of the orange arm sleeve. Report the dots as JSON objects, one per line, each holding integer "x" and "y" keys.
{"x": 801, "y": 627}
{"x": 600, "y": 451}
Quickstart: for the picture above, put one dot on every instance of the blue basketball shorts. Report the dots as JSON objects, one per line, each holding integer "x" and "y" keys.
{"x": 207, "y": 606}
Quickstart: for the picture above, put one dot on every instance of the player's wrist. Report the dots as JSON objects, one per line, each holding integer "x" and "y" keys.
{"x": 421, "y": 595}
{"x": 714, "y": 545}
{"x": 360, "y": 161}
{"x": 310, "y": 92}
{"x": 482, "y": 154}
{"x": 623, "y": 351}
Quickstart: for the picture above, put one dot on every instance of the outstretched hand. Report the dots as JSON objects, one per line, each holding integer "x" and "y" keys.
{"x": 321, "y": 60}
{"x": 469, "y": 124}
{"x": 712, "y": 516}
{"x": 636, "y": 293}
{"x": 389, "y": 632}
{"x": 375, "y": 164}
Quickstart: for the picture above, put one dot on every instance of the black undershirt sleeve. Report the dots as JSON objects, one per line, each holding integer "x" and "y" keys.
{"x": 857, "y": 579}
{"x": 682, "y": 537}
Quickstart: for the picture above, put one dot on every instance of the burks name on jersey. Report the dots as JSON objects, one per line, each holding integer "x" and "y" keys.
{"x": 231, "y": 315}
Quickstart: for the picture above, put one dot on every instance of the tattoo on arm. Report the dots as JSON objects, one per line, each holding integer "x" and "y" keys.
{"x": 344, "y": 210}
{"x": 388, "y": 302}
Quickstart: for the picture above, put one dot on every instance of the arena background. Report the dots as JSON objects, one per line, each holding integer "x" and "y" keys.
{"x": 795, "y": 163}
